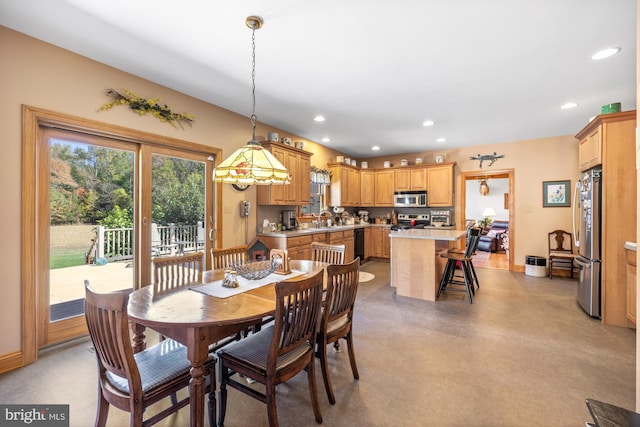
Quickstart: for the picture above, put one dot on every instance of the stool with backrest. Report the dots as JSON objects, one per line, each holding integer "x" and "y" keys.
{"x": 337, "y": 316}
{"x": 133, "y": 382}
{"x": 561, "y": 251}
{"x": 332, "y": 254}
{"x": 279, "y": 352}
{"x": 465, "y": 261}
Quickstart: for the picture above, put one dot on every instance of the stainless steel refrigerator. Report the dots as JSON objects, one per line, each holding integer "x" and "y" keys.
{"x": 587, "y": 233}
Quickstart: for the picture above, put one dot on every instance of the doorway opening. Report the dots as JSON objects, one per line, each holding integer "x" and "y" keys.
{"x": 487, "y": 198}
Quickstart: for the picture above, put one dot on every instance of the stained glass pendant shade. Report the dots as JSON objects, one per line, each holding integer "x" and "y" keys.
{"x": 252, "y": 164}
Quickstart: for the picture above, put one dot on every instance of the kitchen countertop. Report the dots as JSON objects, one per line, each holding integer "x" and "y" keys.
{"x": 313, "y": 230}
{"x": 632, "y": 246}
{"x": 436, "y": 233}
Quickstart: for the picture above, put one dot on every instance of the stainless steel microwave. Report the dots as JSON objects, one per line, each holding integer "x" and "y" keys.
{"x": 410, "y": 199}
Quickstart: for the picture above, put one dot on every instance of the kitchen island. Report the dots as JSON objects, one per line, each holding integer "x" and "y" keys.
{"x": 416, "y": 266}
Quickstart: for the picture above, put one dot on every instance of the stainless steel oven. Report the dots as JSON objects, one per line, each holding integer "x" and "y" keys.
{"x": 410, "y": 199}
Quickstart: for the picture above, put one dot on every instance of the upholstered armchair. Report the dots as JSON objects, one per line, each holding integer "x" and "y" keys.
{"x": 492, "y": 241}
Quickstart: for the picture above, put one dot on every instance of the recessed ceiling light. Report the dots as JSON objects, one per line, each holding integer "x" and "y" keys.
{"x": 428, "y": 123}
{"x": 375, "y": 148}
{"x": 318, "y": 119}
{"x": 569, "y": 105}
{"x": 325, "y": 139}
{"x": 441, "y": 140}
{"x": 605, "y": 53}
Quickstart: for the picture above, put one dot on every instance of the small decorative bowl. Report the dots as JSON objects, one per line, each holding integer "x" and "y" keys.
{"x": 255, "y": 270}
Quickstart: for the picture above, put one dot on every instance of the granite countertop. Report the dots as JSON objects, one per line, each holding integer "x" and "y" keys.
{"x": 438, "y": 233}
{"x": 632, "y": 246}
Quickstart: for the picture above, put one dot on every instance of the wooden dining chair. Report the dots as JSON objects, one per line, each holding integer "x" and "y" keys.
{"x": 332, "y": 254}
{"x": 278, "y": 352}
{"x": 225, "y": 257}
{"x": 176, "y": 271}
{"x": 133, "y": 382}
{"x": 561, "y": 253}
{"x": 341, "y": 282}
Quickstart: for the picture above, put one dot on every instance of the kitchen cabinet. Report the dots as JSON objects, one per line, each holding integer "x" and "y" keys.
{"x": 297, "y": 247}
{"x": 410, "y": 179}
{"x": 345, "y": 185}
{"x": 590, "y": 150}
{"x": 367, "y": 242}
{"x": 380, "y": 243}
{"x": 384, "y": 187}
{"x": 367, "y": 187}
{"x": 617, "y": 156}
{"x": 440, "y": 185}
{"x": 631, "y": 285}
{"x": 297, "y": 163}
{"x": 345, "y": 238}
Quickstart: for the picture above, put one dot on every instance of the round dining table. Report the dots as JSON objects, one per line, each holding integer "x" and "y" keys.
{"x": 197, "y": 320}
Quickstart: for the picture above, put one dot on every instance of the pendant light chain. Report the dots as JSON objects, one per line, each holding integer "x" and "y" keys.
{"x": 254, "y": 118}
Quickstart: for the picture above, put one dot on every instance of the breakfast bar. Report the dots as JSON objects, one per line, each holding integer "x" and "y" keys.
{"x": 416, "y": 266}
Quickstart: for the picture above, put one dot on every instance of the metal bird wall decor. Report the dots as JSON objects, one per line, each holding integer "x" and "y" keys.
{"x": 487, "y": 158}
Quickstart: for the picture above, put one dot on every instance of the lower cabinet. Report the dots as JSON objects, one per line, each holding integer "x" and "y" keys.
{"x": 343, "y": 238}
{"x": 380, "y": 246}
{"x": 631, "y": 285}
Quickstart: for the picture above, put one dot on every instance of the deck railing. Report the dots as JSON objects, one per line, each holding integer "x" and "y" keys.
{"x": 116, "y": 244}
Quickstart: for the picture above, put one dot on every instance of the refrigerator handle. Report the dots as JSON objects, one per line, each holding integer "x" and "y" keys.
{"x": 576, "y": 212}
{"x": 582, "y": 263}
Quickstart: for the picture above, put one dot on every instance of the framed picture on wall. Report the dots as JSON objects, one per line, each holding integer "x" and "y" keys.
{"x": 556, "y": 194}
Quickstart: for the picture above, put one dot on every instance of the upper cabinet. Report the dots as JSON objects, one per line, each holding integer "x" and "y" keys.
{"x": 384, "y": 187}
{"x": 590, "y": 150}
{"x": 411, "y": 179}
{"x": 367, "y": 187}
{"x": 440, "y": 185}
{"x": 297, "y": 163}
{"x": 345, "y": 185}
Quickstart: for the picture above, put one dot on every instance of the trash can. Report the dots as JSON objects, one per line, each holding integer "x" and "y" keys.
{"x": 535, "y": 266}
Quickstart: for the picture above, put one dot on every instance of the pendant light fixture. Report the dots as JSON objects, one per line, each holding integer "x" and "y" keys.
{"x": 252, "y": 164}
{"x": 484, "y": 187}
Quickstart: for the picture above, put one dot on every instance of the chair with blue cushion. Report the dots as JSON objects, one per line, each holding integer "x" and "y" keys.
{"x": 133, "y": 382}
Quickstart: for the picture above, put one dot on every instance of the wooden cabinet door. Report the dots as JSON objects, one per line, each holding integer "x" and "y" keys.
{"x": 304, "y": 180}
{"x": 631, "y": 288}
{"x": 376, "y": 242}
{"x": 291, "y": 190}
{"x": 348, "y": 248}
{"x": 385, "y": 184}
{"x": 402, "y": 179}
{"x": 440, "y": 186}
{"x": 418, "y": 179}
{"x": 368, "y": 243}
{"x": 354, "y": 187}
{"x": 367, "y": 188}
{"x": 386, "y": 242}
{"x": 590, "y": 150}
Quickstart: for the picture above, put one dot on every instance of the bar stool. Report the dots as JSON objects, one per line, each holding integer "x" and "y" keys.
{"x": 469, "y": 277}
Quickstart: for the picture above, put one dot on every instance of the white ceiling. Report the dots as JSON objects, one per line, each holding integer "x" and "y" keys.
{"x": 487, "y": 71}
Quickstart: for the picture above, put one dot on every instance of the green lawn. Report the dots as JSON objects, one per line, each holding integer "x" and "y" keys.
{"x": 67, "y": 257}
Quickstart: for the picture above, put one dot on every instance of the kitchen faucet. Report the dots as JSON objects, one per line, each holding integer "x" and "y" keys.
{"x": 319, "y": 220}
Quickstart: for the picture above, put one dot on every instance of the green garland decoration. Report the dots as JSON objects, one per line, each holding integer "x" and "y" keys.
{"x": 143, "y": 106}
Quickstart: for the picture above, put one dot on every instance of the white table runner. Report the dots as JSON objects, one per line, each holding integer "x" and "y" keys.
{"x": 215, "y": 289}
